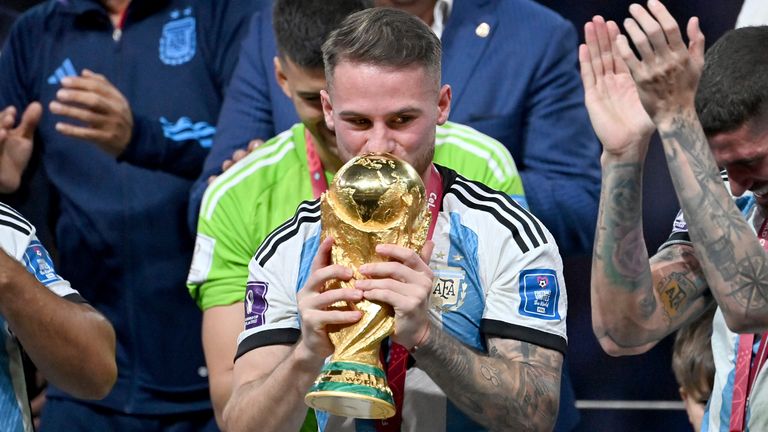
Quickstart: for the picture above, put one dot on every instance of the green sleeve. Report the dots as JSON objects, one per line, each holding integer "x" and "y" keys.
{"x": 478, "y": 157}
{"x": 225, "y": 244}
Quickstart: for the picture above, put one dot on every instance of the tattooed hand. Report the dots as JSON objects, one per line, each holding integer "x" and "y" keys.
{"x": 667, "y": 72}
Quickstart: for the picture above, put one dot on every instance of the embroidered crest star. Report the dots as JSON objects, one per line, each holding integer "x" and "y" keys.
{"x": 440, "y": 255}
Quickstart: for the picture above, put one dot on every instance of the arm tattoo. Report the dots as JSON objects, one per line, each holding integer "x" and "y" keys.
{"x": 679, "y": 287}
{"x": 515, "y": 387}
{"x": 621, "y": 247}
{"x": 733, "y": 261}
{"x": 620, "y": 256}
{"x": 751, "y": 290}
{"x": 673, "y": 290}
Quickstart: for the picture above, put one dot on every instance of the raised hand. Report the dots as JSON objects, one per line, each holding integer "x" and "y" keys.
{"x": 668, "y": 71}
{"x": 237, "y": 156}
{"x": 314, "y": 302}
{"x": 614, "y": 107}
{"x": 404, "y": 282}
{"x": 16, "y": 144}
{"x": 100, "y": 109}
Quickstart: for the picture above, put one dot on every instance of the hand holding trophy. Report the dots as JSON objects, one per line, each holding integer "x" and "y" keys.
{"x": 374, "y": 199}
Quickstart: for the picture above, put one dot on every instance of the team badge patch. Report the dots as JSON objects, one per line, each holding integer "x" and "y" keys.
{"x": 39, "y": 263}
{"x": 178, "y": 42}
{"x": 539, "y": 294}
{"x": 255, "y": 304}
{"x": 448, "y": 288}
{"x": 202, "y": 259}
{"x": 679, "y": 224}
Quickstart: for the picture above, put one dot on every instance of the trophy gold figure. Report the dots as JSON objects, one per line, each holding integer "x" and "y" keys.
{"x": 374, "y": 199}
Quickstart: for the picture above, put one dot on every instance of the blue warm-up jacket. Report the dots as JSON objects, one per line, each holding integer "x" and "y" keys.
{"x": 120, "y": 227}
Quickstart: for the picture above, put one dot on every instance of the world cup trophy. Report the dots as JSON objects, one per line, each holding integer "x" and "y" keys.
{"x": 374, "y": 199}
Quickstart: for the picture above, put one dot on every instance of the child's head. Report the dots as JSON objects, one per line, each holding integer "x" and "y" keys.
{"x": 694, "y": 366}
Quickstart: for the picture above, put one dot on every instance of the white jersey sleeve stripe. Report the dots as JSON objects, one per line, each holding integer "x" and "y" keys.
{"x": 12, "y": 219}
{"x": 526, "y": 230}
{"x": 13, "y": 214}
{"x": 307, "y": 212}
{"x": 512, "y": 205}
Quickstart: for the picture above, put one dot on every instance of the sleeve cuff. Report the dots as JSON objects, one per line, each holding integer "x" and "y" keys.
{"x": 287, "y": 336}
{"x": 75, "y": 298}
{"x": 680, "y": 237}
{"x": 526, "y": 334}
{"x": 142, "y": 150}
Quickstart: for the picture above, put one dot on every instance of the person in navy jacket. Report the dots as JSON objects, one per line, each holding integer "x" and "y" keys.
{"x": 119, "y": 99}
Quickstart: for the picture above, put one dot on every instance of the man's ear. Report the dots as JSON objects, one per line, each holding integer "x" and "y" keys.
{"x": 325, "y": 100}
{"x": 282, "y": 80}
{"x": 444, "y": 104}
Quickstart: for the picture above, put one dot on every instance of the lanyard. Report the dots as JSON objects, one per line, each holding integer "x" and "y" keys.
{"x": 746, "y": 369}
{"x": 316, "y": 170}
{"x": 398, "y": 355}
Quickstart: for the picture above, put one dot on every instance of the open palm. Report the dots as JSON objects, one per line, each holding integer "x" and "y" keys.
{"x": 16, "y": 144}
{"x": 618, "y": 117}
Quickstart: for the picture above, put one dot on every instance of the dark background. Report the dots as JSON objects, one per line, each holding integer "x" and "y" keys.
{"x": 596, "y": 376}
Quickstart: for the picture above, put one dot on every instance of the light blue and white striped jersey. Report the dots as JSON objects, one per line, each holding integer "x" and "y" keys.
{"x": 18, "y": 240}
{"x": 725, "y": 343}
{"x": 497, "y": 272}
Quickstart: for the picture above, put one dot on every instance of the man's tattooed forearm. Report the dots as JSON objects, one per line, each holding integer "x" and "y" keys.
{"x": 752, "y": 285}
{"x": 621, "y": 246}
{"x": 717, "y": 227}
{"x": 706, "y": 194}
{"x": 494, "y": 391}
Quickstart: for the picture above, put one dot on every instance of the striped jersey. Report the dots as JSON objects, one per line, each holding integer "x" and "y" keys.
{"x": 725, "y": 343}
{"x": 261, "y": 191}
{"x": 18, "y": 240}
{"x": 497, "y": 272}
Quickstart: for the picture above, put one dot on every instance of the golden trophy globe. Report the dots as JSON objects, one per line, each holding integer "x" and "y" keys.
{"x": 373, "y": 199}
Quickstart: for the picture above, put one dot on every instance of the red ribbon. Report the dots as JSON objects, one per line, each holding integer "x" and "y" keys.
{"x": 316, "y": 170}
{"x": 398, "y": 355}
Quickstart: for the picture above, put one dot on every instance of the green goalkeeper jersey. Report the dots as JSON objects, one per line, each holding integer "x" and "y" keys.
{"x": 260, "y": 192}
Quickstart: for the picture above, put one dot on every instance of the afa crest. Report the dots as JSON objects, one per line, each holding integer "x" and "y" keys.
{"x": 178, "y": 42}
{"x": 448, "y": 289}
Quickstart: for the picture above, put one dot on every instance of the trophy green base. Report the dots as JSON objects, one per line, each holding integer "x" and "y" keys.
{"x": 350, "y": 389}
